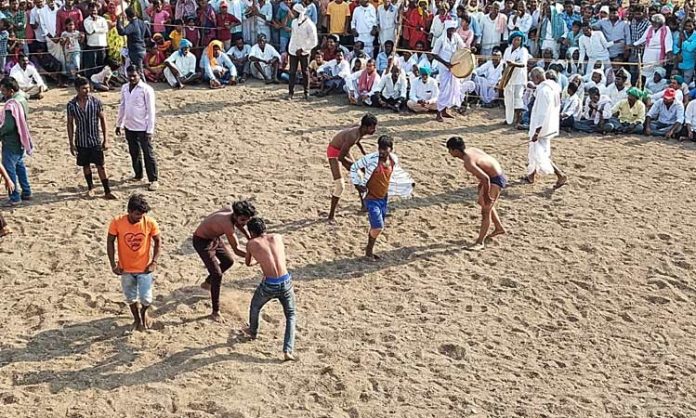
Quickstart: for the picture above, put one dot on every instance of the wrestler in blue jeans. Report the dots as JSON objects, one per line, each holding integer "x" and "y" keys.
{"x": 275, "y": 288}
{"x": 14, "y": 164}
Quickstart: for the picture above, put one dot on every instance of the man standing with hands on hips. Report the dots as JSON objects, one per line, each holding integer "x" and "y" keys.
{"x": 302, "y": 41}
{"x": 136, "y": 113}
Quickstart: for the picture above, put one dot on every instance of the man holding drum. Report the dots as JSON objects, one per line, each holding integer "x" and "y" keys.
{"x": 445, "y": 47}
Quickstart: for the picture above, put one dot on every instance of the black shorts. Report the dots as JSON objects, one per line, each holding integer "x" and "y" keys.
{"x": 87, "y": 156}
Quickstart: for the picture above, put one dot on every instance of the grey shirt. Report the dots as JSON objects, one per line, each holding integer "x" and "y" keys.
{"x": 616, "y": 32}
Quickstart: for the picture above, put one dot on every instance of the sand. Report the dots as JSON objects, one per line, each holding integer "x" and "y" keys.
{"x": 586, "y": 309}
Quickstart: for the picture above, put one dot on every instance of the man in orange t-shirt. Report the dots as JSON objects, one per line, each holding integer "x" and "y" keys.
{"x": 135, "y": 233}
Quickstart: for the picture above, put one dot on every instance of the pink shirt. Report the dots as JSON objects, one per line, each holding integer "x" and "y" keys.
{"x": 158, "y": 20}
{"x": 136, "y": 112}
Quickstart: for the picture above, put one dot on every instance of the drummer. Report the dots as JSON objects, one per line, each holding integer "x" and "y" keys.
{"x": 445, "y": 47}
{"x": 515, "y": 56}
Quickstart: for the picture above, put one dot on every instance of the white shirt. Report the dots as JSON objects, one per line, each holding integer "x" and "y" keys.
{"x": 353, "y": 87}
{"x": 186, "y": 64}
{"x": 387, "y": 18}
{"x": 489, "y": 71}
{"x": 96, "y": 30}
{"x": 571, "y": 106}
{"x": 428, "y": 91}
{"x": 26, "y": 78}
{"x": 391, "y": 90}
{"x": 419, "y": 62}
{"x": 523, "y": 24}
{"x": 595, "y": 47}
{"x": 267, "y": 54}
{"x": 490, "y": 37}
{"x": 335, "y": 69}
{"x": 364, "y": 19}
{"x": 546, "y": 110}
{"x": 690, "y": 115}
{"x": 445, "y": 47}
{"x": 519, "y": 56}
{"x": 136, "y": 112}
{"x": 304, "y": 36}
{"x": 615, "y": 95}
{"x": 102, "y": 75}
{"x": 239, "y": 54}
{"x": 35, "y": 17}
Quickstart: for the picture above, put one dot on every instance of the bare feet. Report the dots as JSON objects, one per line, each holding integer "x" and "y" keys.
{"x": 527, "y": 179}
{"x": 110, "y": 196}
{"x": 439, "y": 118}
{"x": 147, "y": 322}
{"x": 495, "y": 233}
{"x": 215, "y": 316}
{"x": 289, "y": 357}
{"x": 331, "y": 221}
{"x": 476, "y": 247}
{"x": 446, "y": 115}
{"x": 5, "y": 232}
{"x": 90, "y": 193}
{"x": 562, "y": 180}
{"x": 205, "y": 286}
{"x": 372, "y": 257}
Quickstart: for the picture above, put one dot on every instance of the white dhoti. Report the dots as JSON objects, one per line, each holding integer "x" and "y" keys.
{"x": 513, "y": 101}
{"x": 651, "y": 60}
{"x": 486, "y": 89}
{"x": 465, "y": 87}
{"x": 387, "y": 34}
{"x": 267, "y": 69}
{"x": 449, "y": 90}
{"x": 591, "y": 61}
{"x": 540, "y": 157}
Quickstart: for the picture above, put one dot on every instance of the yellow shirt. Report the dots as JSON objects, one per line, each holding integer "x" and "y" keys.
{"x": 628, "y": 114}
{"x": 175, "y": 37}
{"x": 338, "y": 13}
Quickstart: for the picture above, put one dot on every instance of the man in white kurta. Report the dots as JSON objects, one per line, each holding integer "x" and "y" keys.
{"x": 544, "y": 124}
{"x": 487, "y": 77}
{"x": 387, "y": 17}
{"x": 264, "y": 60}
{"x": 517, "y": 56}
{"x": 445, "y": 47}
{"x": 364, "y": 25}
{"x": 658, "y": 45}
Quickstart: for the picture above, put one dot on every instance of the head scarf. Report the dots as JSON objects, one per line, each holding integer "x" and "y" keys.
{"x": 183, "y": 44}
{"x": 635, "y": 93}
{"x": 300, "y": 9}
{"x": 424, "y": 71}
{"x": 669, "y": 94}
{"x": 604, "y": 9}
{"x": 450, "y": 24}
{"x": 658, "y": 18}
{"x": 661, "y": 71}
{"x": 514, "y": 35}
{"x": 679, "y": 79}
{"x": 209, "y": 52}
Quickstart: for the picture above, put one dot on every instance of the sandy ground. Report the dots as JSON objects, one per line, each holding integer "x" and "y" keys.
{"x": 586, "y": 309}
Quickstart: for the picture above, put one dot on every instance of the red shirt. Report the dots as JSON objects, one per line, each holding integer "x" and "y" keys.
{"x": 75, "y": 14}
{"x": 224, "y": 33}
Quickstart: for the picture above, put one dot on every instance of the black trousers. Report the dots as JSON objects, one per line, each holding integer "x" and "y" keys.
{"x": 93, "y": 57}
{"x": 303, "y": 60}
{"x": 137, "y": 141}
{"x": 399, "y": 103}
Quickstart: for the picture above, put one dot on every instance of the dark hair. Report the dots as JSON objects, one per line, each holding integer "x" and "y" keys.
{"x": 243, "y": 208}
{"x": 573, "y": 87}
{"x": 368, "y": 120}
{"x": 80, "y": 81}
{"x": 178, "y": 22}
{"x": 384, "y": 142}
{"x": 585, "y": 25}
{"x": 130, "y": 13}
{"x": 593, "y": 91}
{"x": 112, "y": 64}
{"x": 93, "y": 6}
{"x": 131, "y": 69}
{"x": 256, "y": 226}
{"x": 390, "y": 42}
{"x": 613, "y": 9}
{"x": 10, "y": 83}
{"x": 138, "y": 203}
{"x": 362, "y": 44}
{"x": 456, "y": 143}
{"x": 576, "y": 23}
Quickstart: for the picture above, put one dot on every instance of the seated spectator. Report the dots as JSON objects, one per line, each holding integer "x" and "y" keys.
{"x": 28, "y": 78}
{"x": 103, "y": 80}
{"x": 384, "y": 56}
{"x": 487, "y": 77}
{"x": 689, "y": 122}
{"x": 153, "y": 64}
{"x": 318, "y": 61}
{"x": 264, "y": 61}
{"x": 597, "y": 112}
{"x": 658, "y": 82}
{"x": 424, "y": 93}
{"x": 597, "y": 80}
{"x": 391, "y": 90}
{"x": 239, "y": 54}
{"x": 629, "y": 113}
{"x": 165, "y": 47}
{"x": 558, "y": 66}
{"x": 665, "y": 117}
{"x": 181, "y": 66}
{"x": 571, "y": 107}
{"x": 216, "y": 67}
{"x": 361, "y": 88}
{"x": 333, "y": 74}
{"x": 618, "y": 90}
{"x": 676, "y": 83}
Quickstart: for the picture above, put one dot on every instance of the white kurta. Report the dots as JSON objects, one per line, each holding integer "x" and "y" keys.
{"x": 514, "y": 90}
{"x": 450, "y": 95}
{"x": 487, "y": 77}
{"x": 545, "y": 115}
{"x": 387, "y": 20}
{"x": 651, "y": 54}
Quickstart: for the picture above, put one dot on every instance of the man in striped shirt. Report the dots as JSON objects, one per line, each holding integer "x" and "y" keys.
{"x": 85, "y": 114}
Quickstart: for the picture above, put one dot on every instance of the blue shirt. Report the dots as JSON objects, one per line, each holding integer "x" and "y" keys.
{"x": 569, "y": 19}
{"x": 688, "y": 51}
{"x": 382, "y": 62}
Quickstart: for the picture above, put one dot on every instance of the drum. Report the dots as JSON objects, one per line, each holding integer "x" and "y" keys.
{"x": 505, "y": 78}
{"x": 463, "y": 60}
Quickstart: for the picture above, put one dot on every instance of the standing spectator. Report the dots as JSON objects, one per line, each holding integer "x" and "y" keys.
{"x": 85, "y": 115}
{"x": 493, "y": 26}
{"x": 264, "y": 16}
{"x": 185, "y": 8}
{"x": 68, "y": 11}
{"x": 28, "y": 78}
{"x": 15, "y": 138}
{"x": 207, "y": 20}
{"x": 569, "y": 16}
{"x": 516, "y": 55}
{"x": 225, "y": 23}
{"x": 338, "y": 17}
{"x": 302, "y": 41}
{"x": 552, "y": 29}
{"x": 136, "y": 113}
{"x": 364, "y": 25}
{"x": 595, "y": 47}
{"x": 520, "y": 20}
{"x": 639, "y": 24}
{"x": 36, "y": 15}
{"x": 135, "y": 233}
{"x": 18, "y": 19}
{"x": 658, "y": 45}
{"x": 4, "y": 38}
{"x": 616, "y": 31}
{"x": 96, "y": 29}
{"x": 70, "y": 39}
{"x": 387, "y": 18}
{"x": 158, "y": 17}
{"x": 136, "y": 32}
{"x": 687, "y": 48}
{"x": 10, "y": 187}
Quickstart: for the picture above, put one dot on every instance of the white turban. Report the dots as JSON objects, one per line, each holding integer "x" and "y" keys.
{"x": 300, "y": 9}
{"x": 450, "y": 24}
{"x": 658, "y": 18}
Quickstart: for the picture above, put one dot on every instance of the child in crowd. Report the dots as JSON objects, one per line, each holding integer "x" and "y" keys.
{"x": 318, "y": 61}
{"x": 176, "y": 35}
{"x": 70, "y": 39}
{"x": 4, "y": 38}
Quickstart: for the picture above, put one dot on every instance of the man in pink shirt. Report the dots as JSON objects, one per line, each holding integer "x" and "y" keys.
{"x": 69, "y": 11}
{"x": 136, "y": 113}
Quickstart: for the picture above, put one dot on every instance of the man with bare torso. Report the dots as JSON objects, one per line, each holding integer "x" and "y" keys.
{"x": 338, "y": 152}
{"x": 491, "y": 181}
{"x": 269, "y": 252}
{"x": 207, "y": 240}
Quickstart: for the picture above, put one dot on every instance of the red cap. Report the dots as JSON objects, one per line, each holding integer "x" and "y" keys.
{"x": 669, "y": 94}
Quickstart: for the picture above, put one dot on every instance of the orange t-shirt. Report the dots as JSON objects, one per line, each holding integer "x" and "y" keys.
{"x": 378, "y": 185}
{"x": 134, "y": 242}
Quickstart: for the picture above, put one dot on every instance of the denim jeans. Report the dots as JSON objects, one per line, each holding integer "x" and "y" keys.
{"x": 14, "y": 164}
{"x": 72, "y": 64}
{"x": 286, "y": 296}
{"x": 137, "y": 286}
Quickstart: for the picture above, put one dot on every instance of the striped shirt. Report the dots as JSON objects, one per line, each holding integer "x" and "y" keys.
{"x": 86, "y": 121}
